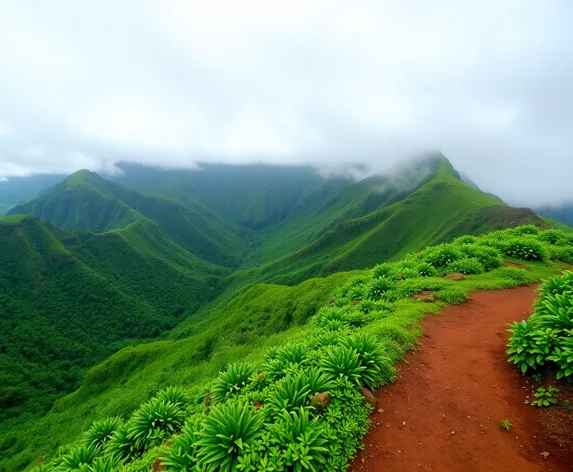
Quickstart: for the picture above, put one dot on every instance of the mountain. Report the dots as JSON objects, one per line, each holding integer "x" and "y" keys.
{"x": 70, "y": 300}
{"x": 135, "y": 281}
{"x": 562, "y": 213}
{"x": 87, "y": 202}
{"x": 18, "y": 189}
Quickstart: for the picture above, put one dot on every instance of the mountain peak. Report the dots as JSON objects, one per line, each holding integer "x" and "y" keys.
{"x": 81, "y": 177}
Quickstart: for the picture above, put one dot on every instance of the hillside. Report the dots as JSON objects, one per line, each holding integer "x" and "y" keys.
{"x": 89, "y": 203}
{"x": 19, "y": 189}
{"x": 70, "y": 300}
{"x": 184, "y": 271}
{"x": 359, "y": 307}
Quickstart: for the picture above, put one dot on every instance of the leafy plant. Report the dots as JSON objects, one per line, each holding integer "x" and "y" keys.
{"x": 506, "y": 425}
{"x": 425, "y": 269}
{"x": 562, "y": 356}
{"x": 231, "y": 381}
{"x": 465, "y": 266}
{"x": 182, "y": 455}
{"x": 543, "y": 397}
{"x": 522, "y": 345}
{"x": 526, "y": 248}
{"x": 552, "y": 236}
{"x": 525, "y": 230}
{"x": 175, "y": 395}
{"x": 121, "y": 446}
{"x": 343, "y": 361}
{"x": 153, "y": 422}
{"x": 377, "y": 369}
{"x": 79, "y": 457}
{"x": 101, "y": 431}
{"x": 378, "y": 287}
{"x": 224, "y": 434}
{"x": 442, "y": 255}
{"x": 302, "y": 441}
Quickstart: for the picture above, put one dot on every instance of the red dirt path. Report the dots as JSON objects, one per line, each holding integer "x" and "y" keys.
{"x": 444, "y": 412}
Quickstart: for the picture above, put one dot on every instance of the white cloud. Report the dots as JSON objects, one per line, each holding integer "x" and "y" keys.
{"x": 490, "y": 83}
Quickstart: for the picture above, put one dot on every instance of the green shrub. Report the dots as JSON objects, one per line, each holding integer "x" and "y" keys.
{"x": 377, "y": 368}
{"x": 230, "y": 382}
{"x": 525, "y": 230}
{"x": 488, "y": 257}
{"x": 465, "y": 266}
{"x": 100, "y": 432}
{"x": 343, "y": 361}
{"x": 562, "y": 355}
{"x": 563, "y": 254}
{"x": 442, "y": 255}
{"x": 467, "y": 239}
{"x": 378, "y": 287}
{"x": 121, "y": 446}
{"x": 182, "y": 456}
{"x": 553, "y": 236}
{"x": 526, "y": 248}
{"x": 522, "y": 346}
{"x": 225, "y": 434}
{"x": 425, "y": 269}
{"x": 153, "y": 422}
{"x": 175, "y": 395}
{"x": 301, "y": 441}
{"x": 79, "y": 457}
{"x": 385, "y": 270}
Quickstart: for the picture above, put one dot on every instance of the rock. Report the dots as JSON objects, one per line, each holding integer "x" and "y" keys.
{"x": 158, "y": 466}
{"x": 425, "y": 296}
{"x": 369, "y": 397}
{"x": 545, "y": 454}
{"x": 456, "y": 276}
{"x": 320, "y": 400}
{"x": 258, "y": 404}
{"x": 380, "y": 410}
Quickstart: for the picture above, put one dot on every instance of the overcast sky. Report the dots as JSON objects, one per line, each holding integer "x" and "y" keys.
{"x": 490, "y": 83}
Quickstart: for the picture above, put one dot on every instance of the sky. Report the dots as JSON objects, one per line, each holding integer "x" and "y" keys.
{"x": 175, "y": 82}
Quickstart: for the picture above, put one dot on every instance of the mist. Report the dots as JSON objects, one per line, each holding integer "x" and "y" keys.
{"x": 340, "y": 86}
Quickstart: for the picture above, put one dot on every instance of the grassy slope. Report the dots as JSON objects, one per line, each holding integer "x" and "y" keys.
{"x": 70, "y": 300}
{"x": 87, "y": 202}
{"x": 429, "y": 215}
{"x": 247, "y": 327}
{"x": 124, "y": 380}
{"x": 261, "y": 195}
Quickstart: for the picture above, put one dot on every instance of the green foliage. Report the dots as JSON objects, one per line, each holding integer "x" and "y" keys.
{"x": 525, "y": 248}
{"x": 232, "y": 380}
{"x": 525, "y": 230}
{"x": 543, "y": 397}
{"x": 182, "y": 456}
{"x": 378, "y": 287}
{"x": 442, "y": 255}
{"x": 101, "y": 431}
{"x": 78, "y": 457}
{"x": 344, "y": 362}
{"x": 547, "y": 337}
{"x": 467, "y": 266}
{"x": 225, "y": 434}
{"x": 506, "y": 425}
{"x": 153, "y": 422}
{"x": 351, "y": 342}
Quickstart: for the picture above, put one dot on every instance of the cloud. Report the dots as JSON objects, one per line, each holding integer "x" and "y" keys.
{"x": 174, "y": 82}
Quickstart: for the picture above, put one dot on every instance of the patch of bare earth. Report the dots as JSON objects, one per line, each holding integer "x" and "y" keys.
{"x": 444, "y": 412}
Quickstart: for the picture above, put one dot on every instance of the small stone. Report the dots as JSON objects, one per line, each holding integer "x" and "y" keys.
{"x": 453, "y": 432}
{"x": 404, "y": 423}
{"x": 456, "y": 276}
{"x": 320, "y": 400}
{"x": 380, "y": 410}
{"x": 545, "y": 454}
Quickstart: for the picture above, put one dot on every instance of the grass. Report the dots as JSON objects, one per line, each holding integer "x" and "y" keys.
{"x": 130, "y": 377}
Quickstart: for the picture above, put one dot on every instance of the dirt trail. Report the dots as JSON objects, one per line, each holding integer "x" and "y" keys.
{"x": 444, "y": 412}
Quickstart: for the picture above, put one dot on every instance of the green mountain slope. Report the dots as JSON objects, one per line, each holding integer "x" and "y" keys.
{"x": 388, "y": 224}
{"x": 254, "y": 196}
{"x": 67, "y": 301}
{"x": 87, "y": 202}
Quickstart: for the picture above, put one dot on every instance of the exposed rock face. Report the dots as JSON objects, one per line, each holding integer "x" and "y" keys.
{"x": 425, "y": 296}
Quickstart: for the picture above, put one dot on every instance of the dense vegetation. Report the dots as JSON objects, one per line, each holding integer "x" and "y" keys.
{"x": 298, "y": 405}
{"x": 179, "y": 276}
{"x": 545, "y": 341}
{"x": 70, "y": 300}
